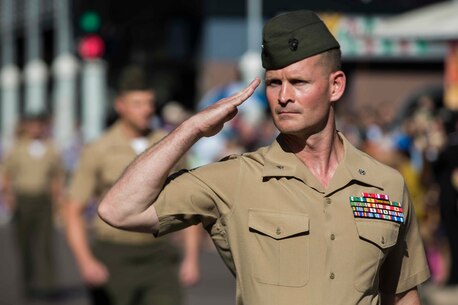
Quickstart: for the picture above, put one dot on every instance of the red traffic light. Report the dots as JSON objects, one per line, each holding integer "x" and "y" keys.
{"x": 91, "y": 47}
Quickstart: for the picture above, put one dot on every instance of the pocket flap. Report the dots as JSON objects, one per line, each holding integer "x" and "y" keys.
{"x": 278, "y": 225}
{"x": 380, "y": 232}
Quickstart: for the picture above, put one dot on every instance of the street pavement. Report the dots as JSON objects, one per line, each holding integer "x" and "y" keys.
{"x": 217, "y": 285}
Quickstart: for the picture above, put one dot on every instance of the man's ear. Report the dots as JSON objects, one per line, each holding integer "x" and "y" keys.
{"x": 338, "y": 81}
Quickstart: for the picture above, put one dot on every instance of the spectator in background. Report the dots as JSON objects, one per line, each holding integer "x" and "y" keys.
{"x": 242, "y": 133}
{"x": 446, "y": 170}
{"x": 421, "y": 150}
{"x": 33, "y": 182}
{"x": 125, "y": 268}
{"x": 173, "y": 114}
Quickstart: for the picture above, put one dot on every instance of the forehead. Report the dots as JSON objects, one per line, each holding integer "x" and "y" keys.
{"x": 137, "y": 94}
{"x": 304, "y": 67}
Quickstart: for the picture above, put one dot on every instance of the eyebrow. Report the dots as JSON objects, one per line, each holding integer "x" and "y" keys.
{"x": 288, "y": 77}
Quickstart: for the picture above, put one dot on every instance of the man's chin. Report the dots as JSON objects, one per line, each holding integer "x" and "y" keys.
{"x": 286, "y": 129}
{"x": 143, "y": 129}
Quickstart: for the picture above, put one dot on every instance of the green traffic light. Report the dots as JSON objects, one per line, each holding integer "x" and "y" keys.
{"x": 90, "y": 21}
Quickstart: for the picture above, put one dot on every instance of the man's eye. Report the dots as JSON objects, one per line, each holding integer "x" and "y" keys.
{"x": 272, "y": 83}
{"x": 298, "y": 82}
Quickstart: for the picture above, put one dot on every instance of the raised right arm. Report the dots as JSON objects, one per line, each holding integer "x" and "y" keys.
{"x": 129, "y": 203}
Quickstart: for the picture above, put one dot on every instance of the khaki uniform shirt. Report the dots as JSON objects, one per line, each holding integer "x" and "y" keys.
{"x": 289, "y": 240}
{"x": 101, "y": 164}
{"x": 31, "y": 165}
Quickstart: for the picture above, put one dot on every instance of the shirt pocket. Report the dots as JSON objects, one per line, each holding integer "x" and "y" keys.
{"x": 376, "y": 238}
{"x": 279, "y": 247}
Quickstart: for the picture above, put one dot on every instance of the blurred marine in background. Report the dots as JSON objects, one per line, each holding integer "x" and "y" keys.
{"x": 125, "y": 268}
{"x": 33, "y": 185}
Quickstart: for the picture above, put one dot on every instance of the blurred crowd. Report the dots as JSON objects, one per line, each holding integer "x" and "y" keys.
{"x": 422, "y": 144}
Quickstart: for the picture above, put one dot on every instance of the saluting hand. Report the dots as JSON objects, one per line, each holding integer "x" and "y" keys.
{"x": 144, "y": 178}
{"x": 211, "y": 120}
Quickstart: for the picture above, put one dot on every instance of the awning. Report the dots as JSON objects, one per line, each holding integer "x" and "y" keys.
{"x": 433, "y": 22}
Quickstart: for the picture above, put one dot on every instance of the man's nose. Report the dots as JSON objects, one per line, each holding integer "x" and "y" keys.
{"x": 285, "y": 94}
{"x": 148, "y": 108}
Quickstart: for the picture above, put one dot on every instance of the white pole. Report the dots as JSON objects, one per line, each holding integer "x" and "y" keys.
{"x": 10, "y": 108}
{"x": 93, "y": 98}
{"x": 250, "y": 62}
{"x": 65, "y": 67}
{"x": 9, "y": 77}
{"x": 254, "y": 20}
{"x": 35, "y": 71}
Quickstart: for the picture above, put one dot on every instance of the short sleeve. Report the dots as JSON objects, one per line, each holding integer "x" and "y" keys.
{"x": 57, "y": 166}
{"x": 9, "y": 163}
{"x": 198, "y": 196}
{"x": 406, "y": 266}
{"x": 84, "y": 180}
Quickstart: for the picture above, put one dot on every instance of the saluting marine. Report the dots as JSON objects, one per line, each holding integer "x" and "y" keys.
{"x": 284, "y": 217}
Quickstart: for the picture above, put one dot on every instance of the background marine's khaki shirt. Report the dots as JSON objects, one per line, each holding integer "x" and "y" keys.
{"x": 287, "y": 239}
{"x": 101, "y": 164}
{"x": 32, "y": 164}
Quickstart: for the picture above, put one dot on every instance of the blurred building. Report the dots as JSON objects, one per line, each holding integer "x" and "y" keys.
{"x": 192, "y": 46}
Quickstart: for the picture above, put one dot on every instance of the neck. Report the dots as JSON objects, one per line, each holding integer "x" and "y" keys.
{"x": 131, "y": 132}
{"x": 321, "y": 152}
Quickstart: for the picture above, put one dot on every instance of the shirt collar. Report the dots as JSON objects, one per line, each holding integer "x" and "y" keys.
{"x": 115, "y": 132}
{"x": 355, "y": 166}
{"x": 279, "y": 161}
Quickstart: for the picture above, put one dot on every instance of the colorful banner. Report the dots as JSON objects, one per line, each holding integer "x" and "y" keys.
{"x": 355, "y": 35}
{"x": 451, "y": 77}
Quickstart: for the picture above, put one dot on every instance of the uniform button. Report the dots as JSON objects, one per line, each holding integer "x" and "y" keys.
{"x": 383, "y": 240}
{"x": 278, "y": 231}
{"x": 333, "y": 237}
{"x": 328, "y": 200}
{"x": 332, "y": 276}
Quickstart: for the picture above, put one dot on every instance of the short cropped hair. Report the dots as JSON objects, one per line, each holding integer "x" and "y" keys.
{"x": 332, "y": 59}
{"x": 134, "y": 78}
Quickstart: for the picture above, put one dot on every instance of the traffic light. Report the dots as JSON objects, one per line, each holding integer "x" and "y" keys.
{"x": 91, "y": 45}
{"x": 90, "y": 21}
